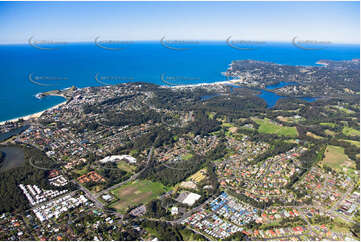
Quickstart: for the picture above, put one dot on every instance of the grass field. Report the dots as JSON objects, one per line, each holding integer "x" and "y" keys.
{"x": 350, "y": 131}
{"x": 231, "y": 128}
{"x": 269, "y": 127}
{"x": 139, "y": 191}
{"x": 82, "y": 171}
{"x": 227, "y": 125}
{"x": 123, "y": 165}
{"x": 211, "y": 114}
{"x": 336, "y": 159}
{"x": 187, "y": 156}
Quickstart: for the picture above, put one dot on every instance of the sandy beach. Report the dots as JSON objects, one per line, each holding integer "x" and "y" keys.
{"x": 205, "y": 84}
{"x": 32, "y": 116}
{"x": 38, "y": 114}
{"x": 322, "y": 63}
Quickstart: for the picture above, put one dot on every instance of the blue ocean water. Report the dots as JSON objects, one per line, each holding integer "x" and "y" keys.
{"x": 85, "y": 64}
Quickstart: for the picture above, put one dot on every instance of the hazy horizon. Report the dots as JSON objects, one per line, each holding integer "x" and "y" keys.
{"x": 74, "y": 22}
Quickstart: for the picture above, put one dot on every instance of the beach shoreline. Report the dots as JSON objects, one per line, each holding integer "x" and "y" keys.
{"x": 38, "y": 114}
{"x": 229, "y": 82}
{"x": 33, "y": 115}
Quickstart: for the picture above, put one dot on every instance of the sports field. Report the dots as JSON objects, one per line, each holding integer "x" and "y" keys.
{"x": 269, "y": 127}
{"x": 139, "y": 191}
{"x": 336, "y": 159}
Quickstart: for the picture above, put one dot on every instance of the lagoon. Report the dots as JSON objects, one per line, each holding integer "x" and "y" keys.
{"x": 14, "y": 157}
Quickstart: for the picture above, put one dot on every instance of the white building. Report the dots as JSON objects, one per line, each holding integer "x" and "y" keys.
{"x": 114, "y": 158}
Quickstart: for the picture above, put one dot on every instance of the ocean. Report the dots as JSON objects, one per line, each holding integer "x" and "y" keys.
{"x": 26, "y": 70}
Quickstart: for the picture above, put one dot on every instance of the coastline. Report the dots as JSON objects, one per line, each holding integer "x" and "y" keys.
{"x": 33, "y": 115}
{"x": 233, "y": 81}
{"x": 320, "y": 62}
{"x": 38, "y": 114}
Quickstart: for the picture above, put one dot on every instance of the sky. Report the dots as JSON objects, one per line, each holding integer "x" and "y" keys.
{"x": 338, "y": 22}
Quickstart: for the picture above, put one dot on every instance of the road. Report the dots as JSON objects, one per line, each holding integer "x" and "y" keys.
{"x": 197, "y": 232}
{"x": 132, "y": 178}
{"x": 193, "y": 210}
{"x": 309, "y": 225}
{"x": 53, "y": 199}
{"x": 259, "y": 180}
{"x": 89, "y": 195}
{"x": 187, "y": 214}
{"x": 31, "y": 161}
{"x": 344, "y": 196}
{"x": 98, "y": 204}
{"x": 325, "y": 182}
{"x": 178, "y": 169}
{"x": 337, "y": 204}
{"x": 174, "y": 222}
{"x": 284, "y": 237}
{"x": 37, "y": 167}
{"x": 95, "y": 197}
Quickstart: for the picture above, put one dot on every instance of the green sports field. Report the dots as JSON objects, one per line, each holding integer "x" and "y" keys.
{"x": 136, "y": 192}
{"x": 269, "y": 127}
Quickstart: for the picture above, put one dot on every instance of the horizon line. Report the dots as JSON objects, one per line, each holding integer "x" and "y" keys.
{"x": 177, "y": 39}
